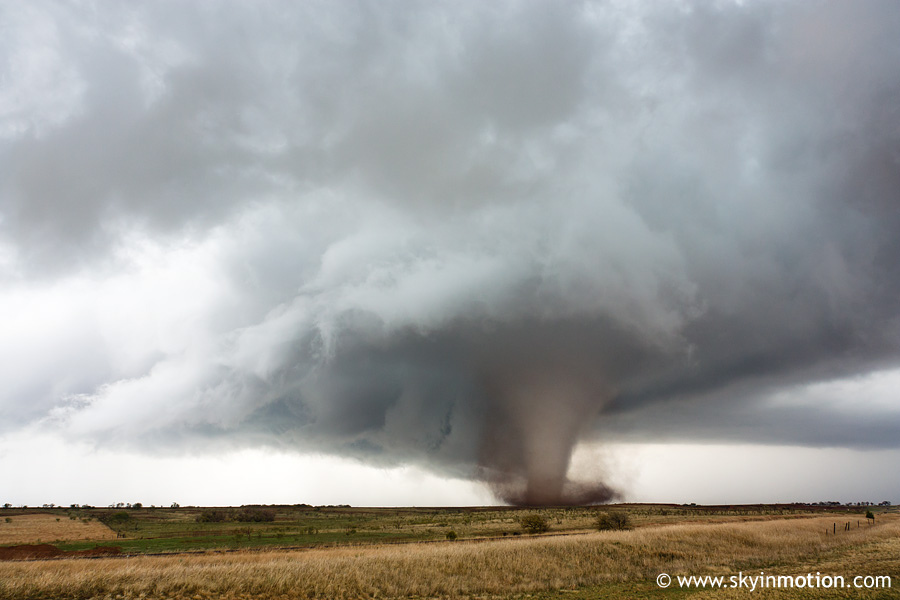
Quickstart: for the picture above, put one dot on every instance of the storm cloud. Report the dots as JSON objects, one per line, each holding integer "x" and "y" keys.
{"x": 461, "y": 235}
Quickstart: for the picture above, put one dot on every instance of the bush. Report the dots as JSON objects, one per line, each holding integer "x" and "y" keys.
{"x": 451, "y": 535}
{"x": 615, "y": 520}
{"x": 255, "y": 515}
{"x": 534, "y": 524}
{"x": 212, "y": 516}
{"x": 116, "y": 518}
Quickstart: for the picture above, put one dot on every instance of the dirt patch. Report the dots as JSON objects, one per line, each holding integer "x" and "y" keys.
{"x": 44, "y": 551}
{"x": 30, "y": 552}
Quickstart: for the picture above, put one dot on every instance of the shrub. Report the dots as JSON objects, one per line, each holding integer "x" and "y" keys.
{"x": 255, "y": 515}
{"x": 615, "y": 520}
{"x": 534, "y": 524}
{"x": 212, "y": 516}
{"x": 451, "y": 535}
{"x": 116, "y": 518}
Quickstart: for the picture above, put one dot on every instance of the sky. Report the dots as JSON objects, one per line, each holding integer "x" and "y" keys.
{"x": 449, "y": 253}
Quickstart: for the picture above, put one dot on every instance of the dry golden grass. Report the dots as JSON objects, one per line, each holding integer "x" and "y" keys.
{"x": 456, "y": 570}
{"x": 44, "y": 528}
{"x": 880, "y": 557}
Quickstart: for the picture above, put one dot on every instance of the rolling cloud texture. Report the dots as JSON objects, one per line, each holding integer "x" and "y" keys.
{"x": 463, "y": 235}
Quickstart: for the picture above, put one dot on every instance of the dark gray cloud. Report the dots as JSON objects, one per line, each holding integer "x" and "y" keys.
{"x": 466, "y": 236}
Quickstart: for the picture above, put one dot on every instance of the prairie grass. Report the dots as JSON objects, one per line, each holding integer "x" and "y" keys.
{"x": 881, "y": 556}
{"x": 618, "y": 560}
{"x": 47, "y": 528}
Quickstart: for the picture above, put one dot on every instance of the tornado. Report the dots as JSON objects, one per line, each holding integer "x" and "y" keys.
{"x": 536, "y": 422}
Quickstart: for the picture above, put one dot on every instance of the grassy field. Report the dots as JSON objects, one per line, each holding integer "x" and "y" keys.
{"x": 30, "y": 528}
{"x": 570, "y": 561}
{"x": 157, "y": 530}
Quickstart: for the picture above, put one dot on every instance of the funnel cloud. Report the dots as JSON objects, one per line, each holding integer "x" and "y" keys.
{"x": 463, "y": 236}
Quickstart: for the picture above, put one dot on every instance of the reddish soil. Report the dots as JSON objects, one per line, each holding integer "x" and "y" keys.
{"x": 38, "y": 551}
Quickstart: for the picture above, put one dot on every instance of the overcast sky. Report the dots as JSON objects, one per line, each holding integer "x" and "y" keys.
{"x": 309, "y": 248}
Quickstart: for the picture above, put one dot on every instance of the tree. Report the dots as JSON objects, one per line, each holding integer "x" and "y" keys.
{"x": 614, "y": 520}
{"x": 869, "y": 515}
{"x": 534, "y": 524}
